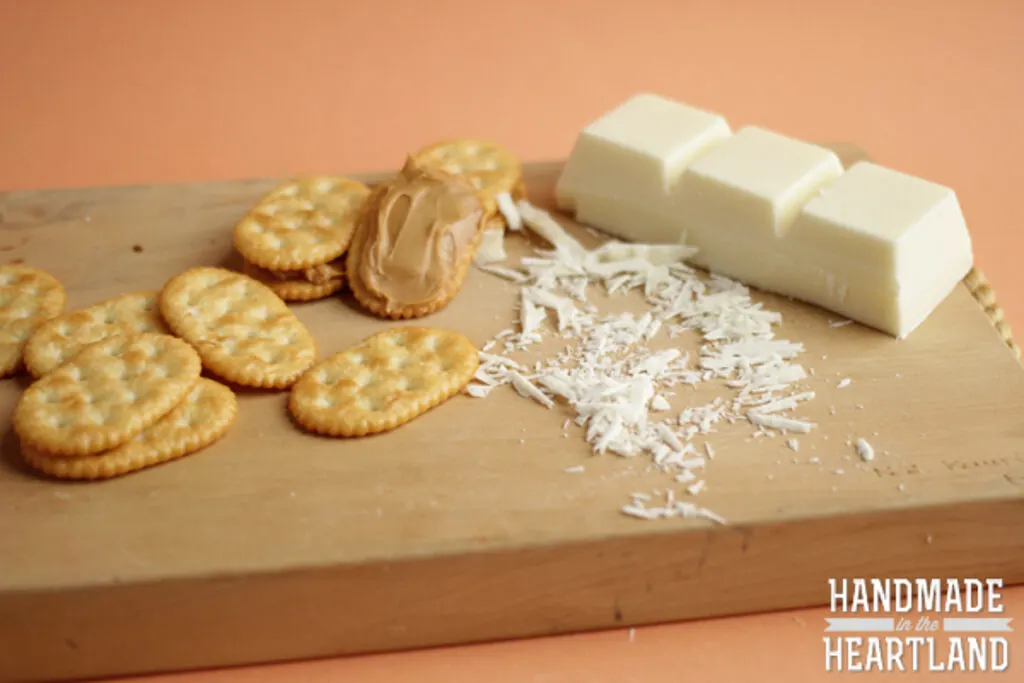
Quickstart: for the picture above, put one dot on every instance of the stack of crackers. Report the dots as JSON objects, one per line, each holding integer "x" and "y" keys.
{"x": 296, "y": 236}
{"x": 120, "y": 405}
{"x": 295, "y": 239}
{"x": 117, "y": 386}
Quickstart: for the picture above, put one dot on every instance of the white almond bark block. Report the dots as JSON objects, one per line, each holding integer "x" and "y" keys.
{"x": 873, "y": 245}
{"x": 624, "y": 166}
{"x": 893, "y": 247}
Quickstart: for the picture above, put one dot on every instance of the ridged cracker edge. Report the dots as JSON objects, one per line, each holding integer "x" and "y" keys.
{"x": 985, "y": 295}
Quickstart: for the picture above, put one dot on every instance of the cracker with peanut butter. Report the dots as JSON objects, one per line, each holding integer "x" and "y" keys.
{"x": 308, "y": 284}
{"x": 490, "y": 168}
{"x": 414, "y": 243}
{"x": 28, "y": 298}
{"x": 59, "y": 339}
{"x": 202, "y": 418}
{"x": 244, "y": 332}
{"x": 301, "y": 223}
{"x": 384, "y": 382}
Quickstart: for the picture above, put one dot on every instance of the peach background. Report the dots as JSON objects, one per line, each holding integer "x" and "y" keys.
{"x": 153, "y": 91}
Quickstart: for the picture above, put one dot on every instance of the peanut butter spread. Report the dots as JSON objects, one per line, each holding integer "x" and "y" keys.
{"x": 419, "y": 232}
{"x": 319, "y": 274}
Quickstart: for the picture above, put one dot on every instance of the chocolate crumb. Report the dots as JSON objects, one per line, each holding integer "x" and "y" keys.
{"x": 17, "y": 262}
{"x": 137, "y": 248}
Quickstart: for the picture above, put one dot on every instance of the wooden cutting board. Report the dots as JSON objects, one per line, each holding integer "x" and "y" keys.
{"x": 463, "y": 525}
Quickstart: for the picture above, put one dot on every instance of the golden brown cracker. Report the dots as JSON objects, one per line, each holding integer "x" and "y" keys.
{"x": 28, "y": 298}
{"x": 244, "y": 332}
{"x": 106, "y": 394}
{"x": 301, "y": 223}
{"x": 296, "y": 289}
{"x": 383, "y": 382}
{"x": 519, "y": 190}
{"x": 202, "y": 418}
{"x": 489, "y": 167}
{"x": 57, "y": 340}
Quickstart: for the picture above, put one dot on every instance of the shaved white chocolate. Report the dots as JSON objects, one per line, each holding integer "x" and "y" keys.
{"x": 615, "y": 379}
{"x": 491, "y": 249}
{"x": 864, "y": 450}
{"x": 509, "y": 211}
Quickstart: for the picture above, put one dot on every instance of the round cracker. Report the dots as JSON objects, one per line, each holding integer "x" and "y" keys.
{"x": 297, "y": 290}
{"x": 244, "y": 332}
{"x": 202, "y": 418}
{"x": 28, "y": 298}
{"x": 301, "y": 223}
{"x": 385, "y": 381}
{"x": 59, "y": 339}
{"x": 109, "y": 392}
{"x": 489, "y": 167}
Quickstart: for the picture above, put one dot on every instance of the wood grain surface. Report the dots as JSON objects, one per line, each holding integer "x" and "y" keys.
{"x": 463, "y": 526}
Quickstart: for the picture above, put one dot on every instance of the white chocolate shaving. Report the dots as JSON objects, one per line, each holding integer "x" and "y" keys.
{"x": 544, "y": 225}
{"x": 616, "y": 384}
{"x": 491, "y": 249}
{"x": 502, "y": 272}
{"x": 865, "y": 450}
{"x": 779, "y": 422}
{"x": 508, "y": 209}
{"x": 528, "y": 390}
